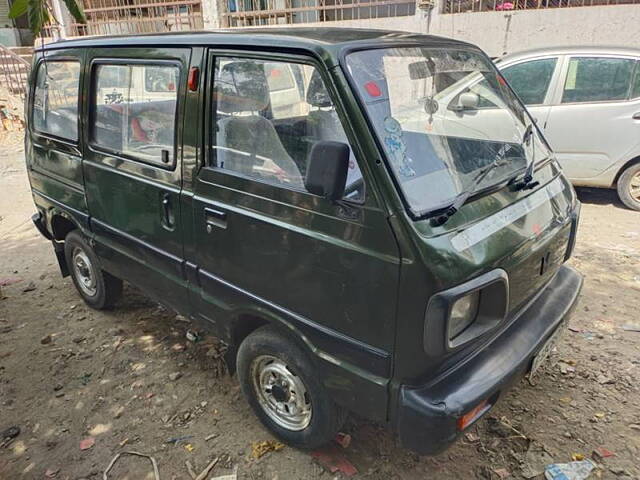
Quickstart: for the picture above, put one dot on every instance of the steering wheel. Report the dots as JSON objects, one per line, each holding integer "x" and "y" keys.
{"x": 354, "y": 187}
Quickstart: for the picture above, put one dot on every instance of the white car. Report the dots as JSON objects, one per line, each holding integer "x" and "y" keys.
{"x": 586, "y": 100}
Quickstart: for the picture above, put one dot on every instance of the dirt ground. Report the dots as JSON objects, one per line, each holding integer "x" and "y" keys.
{"x": 128, "y": 379}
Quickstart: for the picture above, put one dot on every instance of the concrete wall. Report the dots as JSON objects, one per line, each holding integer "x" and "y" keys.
{"x": 9, "y": 37}
{"x": 506, "y": 32}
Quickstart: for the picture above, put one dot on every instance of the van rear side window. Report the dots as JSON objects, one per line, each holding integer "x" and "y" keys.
{"x": 130, "y": 120}
{"x": 55, "y": 102}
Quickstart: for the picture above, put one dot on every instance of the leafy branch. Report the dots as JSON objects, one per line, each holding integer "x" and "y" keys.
{"x": 39, "y": 13}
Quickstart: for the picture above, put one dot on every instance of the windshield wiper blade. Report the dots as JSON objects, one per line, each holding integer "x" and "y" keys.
{"x": 462, "y": 197}
{"x": 527, "y": 182}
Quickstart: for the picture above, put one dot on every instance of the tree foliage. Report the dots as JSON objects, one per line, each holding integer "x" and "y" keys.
{"x": 39, "y": 15}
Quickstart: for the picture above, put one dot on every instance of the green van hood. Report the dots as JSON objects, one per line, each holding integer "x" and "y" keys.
{"x": 525, "y": 233}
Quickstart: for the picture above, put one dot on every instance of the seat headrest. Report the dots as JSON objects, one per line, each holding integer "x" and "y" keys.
{"x": 242, "y": 87}
{"x": 317, "y": 94}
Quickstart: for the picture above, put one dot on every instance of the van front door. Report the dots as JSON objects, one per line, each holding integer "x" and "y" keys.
{"x": 593, "y": 125}
{"x": 132, "y": 167}
{"x": 266, "y": 247}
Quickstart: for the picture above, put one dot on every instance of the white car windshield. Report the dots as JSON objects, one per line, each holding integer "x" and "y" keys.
{"x": 443, "y": 116}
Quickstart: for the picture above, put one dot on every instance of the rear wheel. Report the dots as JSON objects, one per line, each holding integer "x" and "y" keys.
{"x": 282, "y": 386}
{"x": 97, "y": 288}
{"x": 629, "y": 187}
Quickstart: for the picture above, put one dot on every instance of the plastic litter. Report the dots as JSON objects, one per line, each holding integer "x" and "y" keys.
{"x": 87, "y": 443}
{"x": 193, "y": 336}
{"x": 7, "y": 436}
{"x": 177, "y": 440}
{"x": 343, "y": 439}
{"x": 601, "y": 452}
{"x": 229, "y": 476}
{"x": 569, "y": 471}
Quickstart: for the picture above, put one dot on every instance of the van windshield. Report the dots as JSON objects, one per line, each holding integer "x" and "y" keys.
{"x": 443, "y": 116}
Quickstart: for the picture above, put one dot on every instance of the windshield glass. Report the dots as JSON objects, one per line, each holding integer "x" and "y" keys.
{"x": 443, "y": 116}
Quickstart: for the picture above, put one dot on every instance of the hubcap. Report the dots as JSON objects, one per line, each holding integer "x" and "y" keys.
{"x": 634, "y": 186}
{"x": 281, "y": 393}
{"x": 84, "y": 272}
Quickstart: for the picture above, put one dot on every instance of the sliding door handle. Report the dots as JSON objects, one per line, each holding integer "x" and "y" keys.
{"x": 168, "y": 220}
{"x": 215, "y": 218}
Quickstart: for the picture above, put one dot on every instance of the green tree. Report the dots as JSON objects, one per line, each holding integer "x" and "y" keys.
{"x": 39, "y": 12}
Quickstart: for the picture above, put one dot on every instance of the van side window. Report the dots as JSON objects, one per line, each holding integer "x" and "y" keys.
{"x": 55, "y": 102}
{"x": 129, "y": 119}
{"x": 591, "y": 79}
{"x": 268, "y": 116}
{"x": 160, "y": 79}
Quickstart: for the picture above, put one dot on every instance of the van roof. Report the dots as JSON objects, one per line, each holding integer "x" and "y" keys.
{"x": 318, "y": 40}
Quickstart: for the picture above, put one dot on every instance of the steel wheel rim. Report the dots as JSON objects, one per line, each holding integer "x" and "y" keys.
{"x": 84, "y": 272}
{"x": 281, "y": 393}
{"x": 634, "y": 187}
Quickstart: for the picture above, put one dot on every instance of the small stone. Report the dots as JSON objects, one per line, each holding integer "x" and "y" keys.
{"x": 46, "y": 340}
{"x": 175, "y": 376}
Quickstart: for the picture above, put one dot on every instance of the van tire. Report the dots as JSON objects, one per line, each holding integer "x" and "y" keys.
{"x": 631, "y": 174}
{"x": 99, "y": 290}
{"x": 326, "y": 417}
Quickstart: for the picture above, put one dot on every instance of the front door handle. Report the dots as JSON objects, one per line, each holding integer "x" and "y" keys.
{"x": 215, "y": 218}
{"x": 636, "y": 116}
{"x": 168, "y": 220}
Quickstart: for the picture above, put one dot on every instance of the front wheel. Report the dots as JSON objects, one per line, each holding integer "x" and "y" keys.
{"x": 97, "y": 288}
{"x": 283, "y": 388}
{"x": 629, "y": 187}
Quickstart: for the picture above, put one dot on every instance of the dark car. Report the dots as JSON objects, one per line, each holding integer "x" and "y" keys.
{"x": 326, "y": 201}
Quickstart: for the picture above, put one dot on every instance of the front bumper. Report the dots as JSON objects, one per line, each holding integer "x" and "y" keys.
{"x": 428, "y": 414}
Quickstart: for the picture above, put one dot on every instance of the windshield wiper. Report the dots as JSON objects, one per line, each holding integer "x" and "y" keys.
{"x": 527, "y": 182}
{"x": 462, "y": 197}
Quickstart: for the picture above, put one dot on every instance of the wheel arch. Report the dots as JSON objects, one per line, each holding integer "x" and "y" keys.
{"x": 61, "y": 224}
{"x": 245, "y": 323}
{"x": 624, "y": 167}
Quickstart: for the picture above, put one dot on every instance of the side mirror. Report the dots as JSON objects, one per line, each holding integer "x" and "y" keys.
{"x": 467, "y": 101}
{"x": 327, "y": 169}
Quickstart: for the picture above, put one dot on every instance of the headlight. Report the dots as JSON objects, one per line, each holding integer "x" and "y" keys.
{"x": 463, "y": 313}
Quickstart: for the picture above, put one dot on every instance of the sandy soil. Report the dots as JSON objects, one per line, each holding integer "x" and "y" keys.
{"x": 68, "y": 373}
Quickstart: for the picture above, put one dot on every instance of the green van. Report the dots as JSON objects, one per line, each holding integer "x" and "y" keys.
{"x": 369, "y": 219}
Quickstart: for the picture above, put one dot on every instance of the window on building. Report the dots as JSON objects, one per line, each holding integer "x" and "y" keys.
{"x": 131, "y": 120}
{"x": 530, "y": 80}
{"x": 55, "y": 102}
{"x": 592, "y": 79}
{"x": 265, "y": 128}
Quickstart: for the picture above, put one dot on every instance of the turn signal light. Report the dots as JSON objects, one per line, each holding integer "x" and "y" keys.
{"x": 470, "y": 417}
